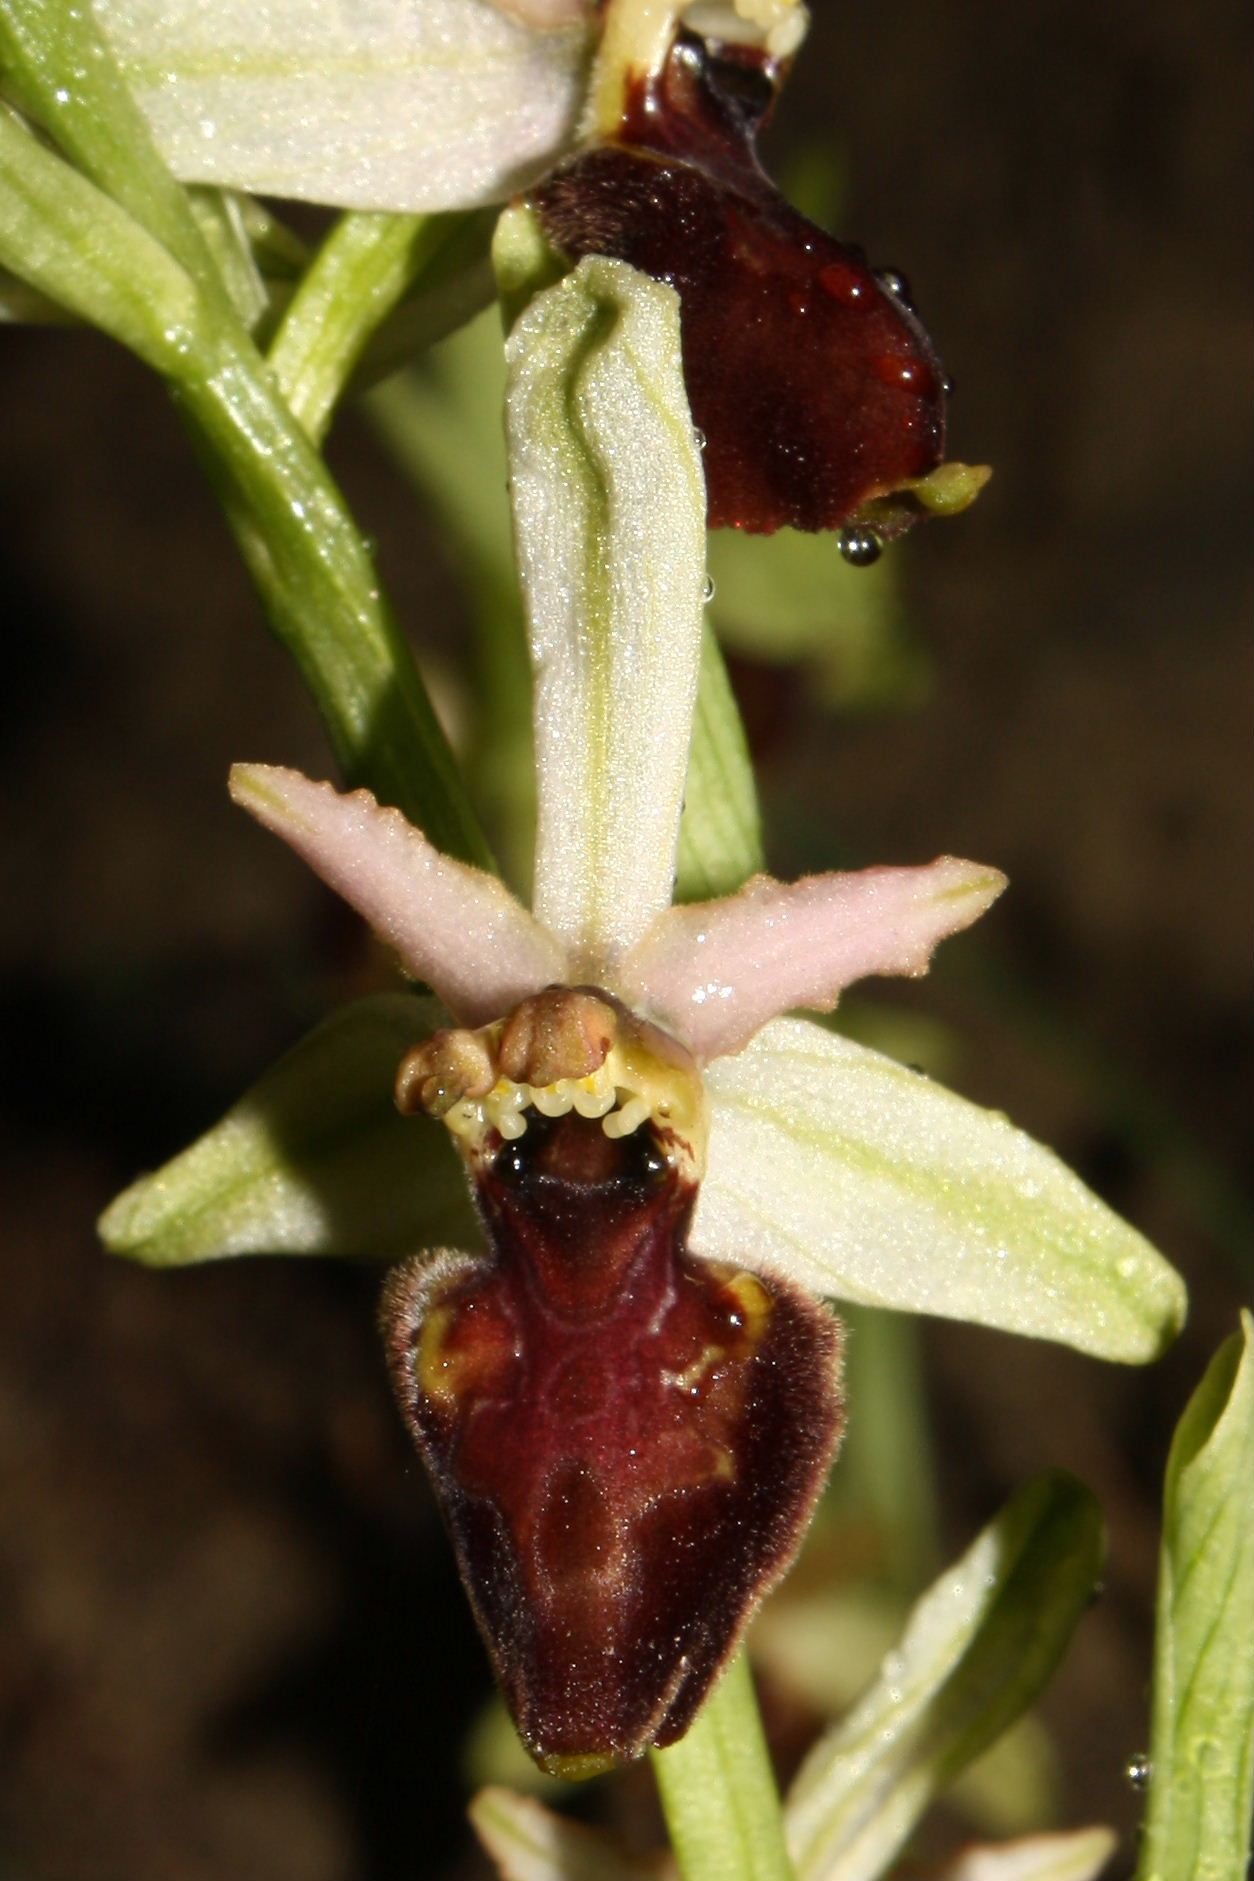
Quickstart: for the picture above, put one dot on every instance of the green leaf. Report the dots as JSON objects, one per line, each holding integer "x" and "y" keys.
{"x": 862, "y": 1179}
{"x": 531, "y": 1843}
{"x": 454, "y": 284}
{"x": 720, "y": 832}
{"x": 64, "y": 73}
{"x": 161, "y": 293}
{"x": 1202, "y": 1739}
{"x": 221, "y": 216}
{"x": 977, "y": 1649}
{"x": 70, "y": 242}
{"x": 355, "y": 280}
{"x": 321, "y": 592}
{"x": 364, "y": 269}
{"x": 314, "y": 1159}
{"x": 718, "y": 1790}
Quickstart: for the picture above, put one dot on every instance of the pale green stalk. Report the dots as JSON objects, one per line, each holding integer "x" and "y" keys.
{"x": 366, "y": 266}
{"x": 116, "y": 241}
{"x": 718, "y": 1790}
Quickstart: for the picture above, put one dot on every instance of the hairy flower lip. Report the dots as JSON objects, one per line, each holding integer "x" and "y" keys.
{"x": 626, "y": 1439}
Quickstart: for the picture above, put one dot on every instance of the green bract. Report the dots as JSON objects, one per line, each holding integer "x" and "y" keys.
{"x": 1202, "y": 1746}
{"x": 977, "y": 1649}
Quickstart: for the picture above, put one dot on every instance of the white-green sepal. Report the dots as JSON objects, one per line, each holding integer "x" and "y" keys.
{"x": 863, "y": 1180}
{"x": 314, "y": 1159}
{"x": 609, "y": 517}
{"x": 977, "y": 1649}
{"x": 1202, "y": 1741}
{"x": 396, "y": 104}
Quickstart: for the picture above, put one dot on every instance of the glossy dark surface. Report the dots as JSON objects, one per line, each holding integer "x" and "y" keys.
{"x": 626, "y": 1441}
{"x": 814, "y": 383}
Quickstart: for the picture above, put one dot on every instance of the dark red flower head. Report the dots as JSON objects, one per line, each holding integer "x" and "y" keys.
{"x": 818, "y": 391}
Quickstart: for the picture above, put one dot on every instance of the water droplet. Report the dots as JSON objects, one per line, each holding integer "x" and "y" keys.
{"x": 1139, "y": 1770}
{"x": 860, "y": 546}
{"x": 707, "y": 593}
{"x": 896, "y": 284}
{"x": 62, "y": 95}
{"x": 700, "y": 437}
{"x": 947, "y": 386}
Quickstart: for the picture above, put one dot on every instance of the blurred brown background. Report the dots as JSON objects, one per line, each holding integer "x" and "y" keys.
{"x": 232, "y": 1647}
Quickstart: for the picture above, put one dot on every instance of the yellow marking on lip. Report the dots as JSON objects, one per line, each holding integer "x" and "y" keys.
{"x": 700, "y": 1368}
{"x": 756, "y": 1304}
{"x": 441, "y": 1374}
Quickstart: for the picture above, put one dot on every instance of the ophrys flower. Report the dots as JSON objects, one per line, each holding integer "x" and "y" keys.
{"x": 818, "y": 390}
{"x": 628, "y": 1405}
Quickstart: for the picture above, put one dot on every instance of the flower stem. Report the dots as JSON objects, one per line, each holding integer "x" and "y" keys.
{"x": 366, "y": 266}
{"x": 114, "y": 238}
{"x": 319, "y": 586}
{"x": 718, "y": 1790}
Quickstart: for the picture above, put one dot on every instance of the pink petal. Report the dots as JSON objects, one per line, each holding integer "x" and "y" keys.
{"x": 718, "y": 970}
{"x": 453, "y": 926}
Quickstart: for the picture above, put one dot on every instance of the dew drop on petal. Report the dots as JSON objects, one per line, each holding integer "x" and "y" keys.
{"x": 1139, "y": 1771}
{"x": 896, "y": 284}
{"x": 860, "y": 546}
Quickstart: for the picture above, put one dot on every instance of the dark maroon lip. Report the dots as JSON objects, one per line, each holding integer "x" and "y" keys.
{"x": 812, "y": 380}
{"x": 626, "y": 1441}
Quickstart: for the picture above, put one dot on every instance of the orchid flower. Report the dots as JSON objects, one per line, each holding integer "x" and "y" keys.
{"x": 629, "y": 1405}
{"x": 447, "y": 104}
{"x": 633, "y": 127}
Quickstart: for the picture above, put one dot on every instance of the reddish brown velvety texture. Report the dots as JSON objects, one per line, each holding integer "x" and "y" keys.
{"x": 815, "y": 386}
{"x": 626, "y": 1441}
